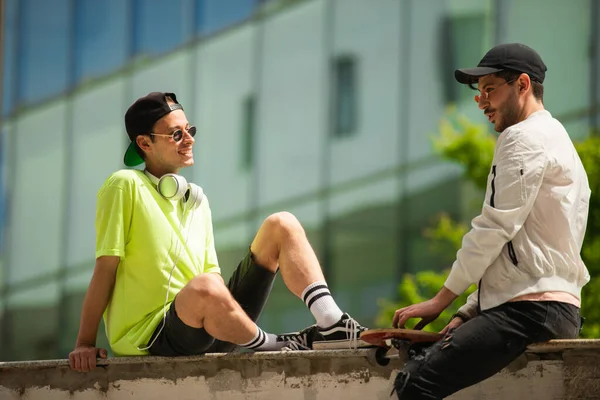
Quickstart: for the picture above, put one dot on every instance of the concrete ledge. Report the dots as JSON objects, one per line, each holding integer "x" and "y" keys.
{"x": 560, "y": 345}
{"x": 553, "y": 370}
{"x": 269, "y": 375}
{"x": 250, "y": 356}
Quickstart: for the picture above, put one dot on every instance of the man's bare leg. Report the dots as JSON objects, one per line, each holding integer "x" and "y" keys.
{"x": 205, "y": 302}
{"x": 281, "y": 243}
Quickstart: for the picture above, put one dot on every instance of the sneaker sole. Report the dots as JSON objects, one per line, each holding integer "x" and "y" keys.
{"x": 338, "y": 344}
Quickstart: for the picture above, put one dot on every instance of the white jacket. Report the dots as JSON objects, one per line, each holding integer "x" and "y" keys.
{"x": 528, "y": 236}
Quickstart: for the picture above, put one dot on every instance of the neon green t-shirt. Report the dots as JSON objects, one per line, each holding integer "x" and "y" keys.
{"x": 152, "y": 238}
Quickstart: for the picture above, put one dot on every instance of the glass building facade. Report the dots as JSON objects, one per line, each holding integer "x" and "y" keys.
{"x": 324, "y": 108}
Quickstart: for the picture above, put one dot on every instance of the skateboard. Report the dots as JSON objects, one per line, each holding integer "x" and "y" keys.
{"x": 387, "y": 338}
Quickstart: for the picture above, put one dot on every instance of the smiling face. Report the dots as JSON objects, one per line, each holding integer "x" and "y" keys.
{"x": 163, "y": 154}
{"x": 500, "y": 101}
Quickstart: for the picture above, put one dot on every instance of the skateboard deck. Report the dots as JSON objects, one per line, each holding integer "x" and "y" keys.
{"x": 383, "y": 337}
{"x": 389, "y": 339}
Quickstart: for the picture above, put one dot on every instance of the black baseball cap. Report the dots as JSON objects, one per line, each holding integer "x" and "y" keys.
{"x": 509, "y": 56}
{"x": 140, "y": 119}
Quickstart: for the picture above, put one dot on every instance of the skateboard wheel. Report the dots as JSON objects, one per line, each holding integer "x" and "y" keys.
{"x": 380, "y": 356}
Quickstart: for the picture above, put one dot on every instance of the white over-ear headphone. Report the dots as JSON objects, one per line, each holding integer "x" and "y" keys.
{"x": 175, "y": 187}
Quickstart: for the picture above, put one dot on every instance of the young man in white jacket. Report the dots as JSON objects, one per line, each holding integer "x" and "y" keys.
{"x": 524, "y": 248}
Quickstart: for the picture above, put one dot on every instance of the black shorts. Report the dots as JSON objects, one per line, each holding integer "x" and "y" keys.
{"x": 250, "y": 286}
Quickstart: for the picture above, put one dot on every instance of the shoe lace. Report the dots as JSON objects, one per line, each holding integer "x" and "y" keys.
{"x": 299, "y": 338}
{"x": 302, "y": 337}
{"x": 293, "y": 345}
{"x": 353, "y": 330}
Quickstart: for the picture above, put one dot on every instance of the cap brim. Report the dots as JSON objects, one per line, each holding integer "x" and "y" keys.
{"x": 132, "y": 158}
{"x": 471, "y": 75}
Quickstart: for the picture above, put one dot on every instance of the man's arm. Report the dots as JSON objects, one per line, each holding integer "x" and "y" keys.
{"x": 428, "y": 310}
{"x": 83, "y": 358}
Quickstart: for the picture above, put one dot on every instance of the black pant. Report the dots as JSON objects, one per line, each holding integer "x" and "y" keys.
{"x": 483, "y": 346}
{"x": 250, "y": 285}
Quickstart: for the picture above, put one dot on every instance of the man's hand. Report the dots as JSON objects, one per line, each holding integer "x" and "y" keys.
{"x": 455, "y": 323}
{"x": 428, "y": 310}
{"x": 83, "y": 358}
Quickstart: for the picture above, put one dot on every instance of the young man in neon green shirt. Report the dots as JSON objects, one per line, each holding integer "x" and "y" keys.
{"x": 157, "y": 279}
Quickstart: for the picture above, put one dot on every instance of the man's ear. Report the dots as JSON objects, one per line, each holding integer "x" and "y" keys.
{"x": 524, "y": 82}
{"x": 143, "y": 142}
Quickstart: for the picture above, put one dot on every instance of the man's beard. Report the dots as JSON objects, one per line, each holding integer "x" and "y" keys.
{"x": 509, "y": 113}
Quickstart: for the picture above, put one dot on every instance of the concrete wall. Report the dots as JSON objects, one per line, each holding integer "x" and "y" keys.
{"x": 548, "y": 372}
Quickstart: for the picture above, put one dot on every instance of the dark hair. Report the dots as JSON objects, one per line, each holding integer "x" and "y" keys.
{"x": 141, "y": 152}
{"x": 509, "y": 75}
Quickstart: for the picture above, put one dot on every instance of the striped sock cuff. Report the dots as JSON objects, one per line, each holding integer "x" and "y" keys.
{"x": 258, "y": 340}
{"x": 315, "y": 291}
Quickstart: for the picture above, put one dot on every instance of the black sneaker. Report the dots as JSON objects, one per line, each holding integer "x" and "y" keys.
{"x": 344, "y": 334}
{"x": 302, "y": 340}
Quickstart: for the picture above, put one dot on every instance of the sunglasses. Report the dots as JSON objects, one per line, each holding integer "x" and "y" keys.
{"x": 178, "y": 134}
{"x": 488, "y": 91}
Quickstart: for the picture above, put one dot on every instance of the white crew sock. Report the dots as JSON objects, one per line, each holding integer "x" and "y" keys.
{"x": 263, "y": 342}
{"x": 319, "y": 301}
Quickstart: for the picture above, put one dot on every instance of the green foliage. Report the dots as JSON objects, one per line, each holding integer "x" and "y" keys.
{"x": 589, "y": 152}
{"x": 446, "y": 237}
{"x": 472, "y": 146}
{"x": 467, "y": 144}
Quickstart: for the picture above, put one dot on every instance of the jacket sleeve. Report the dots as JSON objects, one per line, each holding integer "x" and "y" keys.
{"x": 514, "y": 182}
{"x": 469, "y": 309}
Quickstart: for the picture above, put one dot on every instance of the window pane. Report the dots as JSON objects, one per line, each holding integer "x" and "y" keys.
{"x": 10, "y": 30}
{"x": 44, "y": 48}
{"x": 35, "y": 233}
{"x": 464, "y": 39}
{"x": 162, "y": 25}
{"x": 248, "y": 118}
{"x": 97, "y": 151}
{"x": 214, "y": 15}
{"x": 345, "y": 96}
{"x": 101, "y": 38}
{"x": 566, "y": 55}
{"x": 33, "y": 323}
{"x": 3, "y": 194}
{"x": 363, "y": 248}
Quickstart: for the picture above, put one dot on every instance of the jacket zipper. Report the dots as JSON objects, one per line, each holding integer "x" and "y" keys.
{"x": 511, "y": 250}
{"x": 493, "y": 185}
{"x": 512, "y": 254}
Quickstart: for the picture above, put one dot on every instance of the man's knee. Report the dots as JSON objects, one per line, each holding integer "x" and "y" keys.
{"x": 203, "y": 295}
{"x": 413, "y": 381}
{"x": 400, "y": 383}
{"x": 407, "y": 388}
{"x": 208, "y": 287}
{"x": 283, "y": 224}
